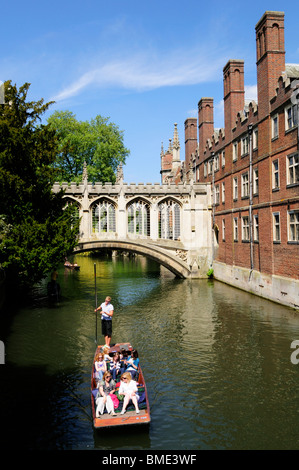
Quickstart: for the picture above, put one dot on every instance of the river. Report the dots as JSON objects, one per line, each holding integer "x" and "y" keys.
{"x": 217, "y": 363}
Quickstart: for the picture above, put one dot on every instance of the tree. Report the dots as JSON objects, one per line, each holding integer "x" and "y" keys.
{"x": 37, "y": 229}
{"x": 99, "y": 143}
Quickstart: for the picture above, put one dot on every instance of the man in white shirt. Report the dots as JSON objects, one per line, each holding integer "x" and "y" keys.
{"x": 107, "y": 312}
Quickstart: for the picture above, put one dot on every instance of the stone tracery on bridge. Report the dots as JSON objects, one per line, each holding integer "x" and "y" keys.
{"x": 166, "y": 222}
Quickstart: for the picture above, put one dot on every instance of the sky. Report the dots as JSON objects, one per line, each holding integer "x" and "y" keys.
{"x": 144, "y": 64}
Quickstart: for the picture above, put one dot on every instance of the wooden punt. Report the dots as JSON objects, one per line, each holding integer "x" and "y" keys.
{"x": 130, "y": 417}
{"x": 71, "y": 266}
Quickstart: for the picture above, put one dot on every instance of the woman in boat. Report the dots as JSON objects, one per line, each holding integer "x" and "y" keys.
{"x": 128, "y": 388}
{"x": 103, "y": 399}
{"x": 100, "y": 366}
{"x": 115, "y": 365}
{"x": 132, "y": 364}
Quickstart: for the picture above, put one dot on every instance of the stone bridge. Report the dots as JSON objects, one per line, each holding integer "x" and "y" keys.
{"x": 170, "y": 223}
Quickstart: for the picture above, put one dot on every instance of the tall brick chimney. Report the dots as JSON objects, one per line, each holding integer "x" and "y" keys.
{"x": 234, "y": 94}
{"x": 190, "y": 139}
{"x": 205, "y": 123}
{"x": 270, "y": 56}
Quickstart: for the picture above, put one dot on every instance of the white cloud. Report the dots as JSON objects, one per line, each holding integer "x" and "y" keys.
{"x": 251, "y": 92}
{"x": 146, "y": 72}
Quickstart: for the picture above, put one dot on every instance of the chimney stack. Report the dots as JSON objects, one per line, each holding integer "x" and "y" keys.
{"x": 270, "y": 55}
{"x": 234, "y": 94}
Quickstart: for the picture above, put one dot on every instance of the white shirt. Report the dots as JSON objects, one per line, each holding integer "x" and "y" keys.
{"x": 128, "y": 387}
{"x": 106, "y": 308}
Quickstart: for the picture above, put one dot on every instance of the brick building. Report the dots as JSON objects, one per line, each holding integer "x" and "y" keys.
{"x": 252, "y": 165}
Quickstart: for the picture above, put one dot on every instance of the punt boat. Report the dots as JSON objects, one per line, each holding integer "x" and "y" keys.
{"x": 130, "y": 417}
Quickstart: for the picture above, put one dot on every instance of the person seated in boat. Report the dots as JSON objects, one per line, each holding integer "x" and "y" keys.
{"x": 124, "y": 357}
{"x": 103, "y": 398}
{"x": 115, "y": 365}
{"x": 132, "y": 364}
{"x": 106, "y": 350}
{"x": 100, "y": 366}
{"x": 128, "y": 388}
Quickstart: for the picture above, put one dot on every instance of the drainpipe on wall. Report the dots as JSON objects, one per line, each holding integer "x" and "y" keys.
{"x": 250, "y": 198}
{"x": 213, "y": 207}
{"x": 295, "y": 101}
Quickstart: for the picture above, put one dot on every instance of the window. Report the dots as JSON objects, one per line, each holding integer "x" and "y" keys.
{"x": 76, "y": 214}
{"x": 223, "y": 193}
{"x": 275, "y": 175}
{"x": 275, "y": 126}
{"x": 255, "y": 181}
{"x": 223, "y": 230}
{"x": 245, "y": 185}
{"x": 217, "y": 199}
{"x": 216, "y": 162}
{"x": 139, "y": 218}
{"x": 255, "y": 139}
{"x": 235, "y": 188}
{"x": 223, "y": 159}
{"x": 103, "y": 217}
{"x": 235, "y": 151}
{"x": 205, "y": 169}
{"x": 293, "y": 169}
{"x": 293, "y": 226}
{"x": 290, "y": 117}
{"x": 245, "y": 146}
{"x": 210, "y": 166}
{"x": 256, "y": 228}
{"x": 236, "y": 229}
{"x": 169, "y": 220}
{"x": 245, "y": 228}
{"x": 276, "y": 227}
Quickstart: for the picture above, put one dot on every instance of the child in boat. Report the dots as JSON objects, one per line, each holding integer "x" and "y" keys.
{"x": 100, "y": 366}
{"x": 132, "y": 364}
{"x": 106, "y": 350}
{"x": 128, "y": 388}
{"x": 103, "y": 398}
{"x": 115, "y": 365}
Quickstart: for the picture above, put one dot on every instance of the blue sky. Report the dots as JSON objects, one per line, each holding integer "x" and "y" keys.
{"x": 145, "y": 64}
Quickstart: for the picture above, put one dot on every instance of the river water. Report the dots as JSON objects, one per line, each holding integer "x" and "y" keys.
{"x": 217, "y": 363}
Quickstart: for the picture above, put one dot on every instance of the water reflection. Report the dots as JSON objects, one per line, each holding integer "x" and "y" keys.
{"x": 216, "y": 362}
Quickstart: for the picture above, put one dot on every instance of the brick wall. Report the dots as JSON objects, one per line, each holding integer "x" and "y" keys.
{"x": 270, "y": 256}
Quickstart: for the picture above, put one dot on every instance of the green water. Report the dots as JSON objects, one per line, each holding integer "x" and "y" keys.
{"x": 216, "y": 362}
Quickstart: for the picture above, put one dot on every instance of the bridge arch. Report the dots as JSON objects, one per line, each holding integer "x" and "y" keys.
{"x": 139, "y": 198}
{"x": 101, "y": 198}
{"x": 176, "y": 265}
{"x": 179, "y": 237}
{"x": 70, "y": 199}
{"x": 170, "y": 198}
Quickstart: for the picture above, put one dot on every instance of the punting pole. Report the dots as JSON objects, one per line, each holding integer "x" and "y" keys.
{"x": 96, "y": 300}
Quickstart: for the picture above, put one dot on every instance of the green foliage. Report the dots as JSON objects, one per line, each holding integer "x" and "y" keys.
{"x": 210, "y": 273}
{"x": 99, "y": 143}
{"x": 36, "y": 231}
